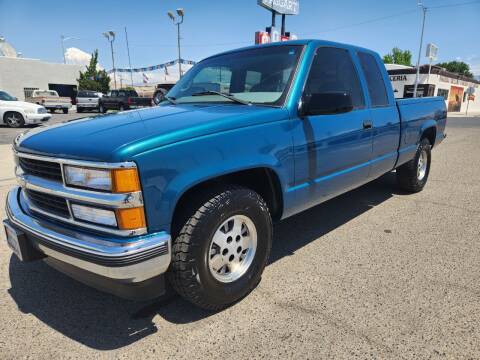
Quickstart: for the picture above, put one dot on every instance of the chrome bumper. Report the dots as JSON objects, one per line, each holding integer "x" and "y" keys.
{"x": 128, "y": 260}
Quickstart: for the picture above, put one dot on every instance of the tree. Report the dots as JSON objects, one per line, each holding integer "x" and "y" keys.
{"x": 398, "y": 56}
{"x": 458, "y": 67}
{"x": 92, "y": 78}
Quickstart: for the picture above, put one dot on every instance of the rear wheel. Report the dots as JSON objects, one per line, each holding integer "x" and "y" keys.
{"x": 221, "y": 250}
{"x": 13, "y": 119}
{"x": 413, "y": 175}
{"x": 102, "y": 109}
{"x": 65, "y": 111}
{"x": 121, "y": 107}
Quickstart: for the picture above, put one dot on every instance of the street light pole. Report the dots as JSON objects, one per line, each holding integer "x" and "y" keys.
{"x": 181, "y": 14}
{"x": 110, "y": 35}
{"x": 417, "y": 77}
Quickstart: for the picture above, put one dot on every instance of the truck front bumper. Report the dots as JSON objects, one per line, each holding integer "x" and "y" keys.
{"x": 105, "y": 264}
{"x": 37, "y": 118}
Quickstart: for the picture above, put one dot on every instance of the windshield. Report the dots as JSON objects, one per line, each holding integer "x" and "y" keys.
{"x": 258, "y": 76}
{"x": 46, "y": 93}
{"x": 6, "y": 97}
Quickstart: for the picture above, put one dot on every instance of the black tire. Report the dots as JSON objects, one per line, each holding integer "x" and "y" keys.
{"x": 65, "y": 111}
{"x": 159, "y": 96}
{"x": 121, "y": 107}
{"x": 79, "y": 110}
{"x": 13, "y": 119}
{"x": 189, "y": 271}
{"x": 102, "y": 109}
{"x": 408, "y": 177}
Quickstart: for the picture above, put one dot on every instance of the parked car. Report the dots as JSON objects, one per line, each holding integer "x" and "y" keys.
{"x": 88, "y": 100}
{"x": 186, "y": 192}
{"x": 122, "y": 100}
{"x": 50, "y": 100}
{"x": 160, "y": 91}
{"x": 16, "y": 113}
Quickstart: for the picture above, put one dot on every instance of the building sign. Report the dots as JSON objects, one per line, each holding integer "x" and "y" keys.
{"x": 398, "y": 77}
{"x": 432, "y": 51}
{"x": 286, "y": 7}
{"x": 262, "y": 37}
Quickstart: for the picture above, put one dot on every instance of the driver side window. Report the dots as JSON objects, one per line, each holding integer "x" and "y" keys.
{"x": 333, "y": 71}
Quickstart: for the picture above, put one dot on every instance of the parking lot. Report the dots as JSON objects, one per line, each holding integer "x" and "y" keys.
{"x": 375, "y": 273}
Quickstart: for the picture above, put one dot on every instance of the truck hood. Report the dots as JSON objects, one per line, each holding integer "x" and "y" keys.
{"x": 120, "y": 136}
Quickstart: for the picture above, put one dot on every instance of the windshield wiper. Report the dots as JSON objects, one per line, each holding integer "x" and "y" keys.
{"x": 171, "y": 100}
{"x": 225, "y": 95}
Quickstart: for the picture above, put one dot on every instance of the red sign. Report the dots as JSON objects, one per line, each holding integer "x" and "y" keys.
{"x": 262, "y": 37}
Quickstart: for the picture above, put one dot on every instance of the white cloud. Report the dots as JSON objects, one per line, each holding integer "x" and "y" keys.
{"x": 79, "y": 57}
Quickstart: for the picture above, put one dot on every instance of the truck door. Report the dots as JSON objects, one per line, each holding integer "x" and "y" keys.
{"x": 332, "y": 152}
{"x": 384, "y": 115}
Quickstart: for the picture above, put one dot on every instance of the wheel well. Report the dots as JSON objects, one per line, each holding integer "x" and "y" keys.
{"x": 263, "y": 181}
{"x": 9, "y": 112}
{"x": 429, "y": 134}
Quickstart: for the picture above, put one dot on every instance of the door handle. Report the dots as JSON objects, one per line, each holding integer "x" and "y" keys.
{"x": 367, "y": 124}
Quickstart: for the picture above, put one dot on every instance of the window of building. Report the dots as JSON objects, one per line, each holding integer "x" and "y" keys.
{"x": 333, "y": 71}
{"x": 27, "y": 92}
{"x": 443, "y": 93}
{"x": 375, "y": 83}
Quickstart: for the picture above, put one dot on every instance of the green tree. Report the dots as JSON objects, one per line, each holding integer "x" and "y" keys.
{"x": 92, "y": 78}
{"x": 398, "y": 56}
{"x": 458, "y": 67}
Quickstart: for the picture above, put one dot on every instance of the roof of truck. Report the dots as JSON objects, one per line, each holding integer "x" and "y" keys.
{"x": 294, "y": 42}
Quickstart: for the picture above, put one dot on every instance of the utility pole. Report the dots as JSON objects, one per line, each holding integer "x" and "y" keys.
{"x": 110, "y": 35}
{"x": 417, "y": 77}
{"x": 178, "y": 22}
{"x": 128, "y": 52}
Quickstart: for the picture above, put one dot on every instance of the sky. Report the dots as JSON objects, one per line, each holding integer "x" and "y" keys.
{"x": 210, "y": 26}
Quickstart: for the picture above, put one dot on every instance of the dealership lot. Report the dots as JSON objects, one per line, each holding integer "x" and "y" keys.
{"x": 374, "y": 273}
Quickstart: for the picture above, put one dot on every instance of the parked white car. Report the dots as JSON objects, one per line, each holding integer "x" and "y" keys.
{"x": 16, "y": 113}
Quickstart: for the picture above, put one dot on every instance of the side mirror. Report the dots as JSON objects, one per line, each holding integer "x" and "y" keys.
{"x": 333, "y": 102}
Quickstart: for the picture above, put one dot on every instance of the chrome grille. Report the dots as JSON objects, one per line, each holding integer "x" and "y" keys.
{"x": 40, "y": 168}
{"x": 50, "y": 203}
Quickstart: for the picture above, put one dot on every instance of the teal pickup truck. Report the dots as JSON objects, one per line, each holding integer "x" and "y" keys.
{"x": 185, "y": 193}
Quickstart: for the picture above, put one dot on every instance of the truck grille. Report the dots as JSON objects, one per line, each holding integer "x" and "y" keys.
{"x": 40, "y": 168}
{"x": 50, "y": 203}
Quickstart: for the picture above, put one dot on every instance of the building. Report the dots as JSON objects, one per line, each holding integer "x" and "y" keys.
{"x": 20, "y": 76}
{"x": 458, "y": 91}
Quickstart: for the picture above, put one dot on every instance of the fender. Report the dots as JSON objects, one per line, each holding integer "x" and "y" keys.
{"x": 165, "y": 179}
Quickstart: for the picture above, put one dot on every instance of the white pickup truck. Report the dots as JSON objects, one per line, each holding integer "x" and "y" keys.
{"x": 16, "y": 113}
{"x": 50, "y": 100}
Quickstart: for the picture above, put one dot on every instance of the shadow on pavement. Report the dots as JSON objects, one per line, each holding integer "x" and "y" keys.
{"x": 104, "y": 322}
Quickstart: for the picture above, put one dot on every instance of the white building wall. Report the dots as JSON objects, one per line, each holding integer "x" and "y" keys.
{"x": 441, "y": 82}
{"x": 19, "y": 73}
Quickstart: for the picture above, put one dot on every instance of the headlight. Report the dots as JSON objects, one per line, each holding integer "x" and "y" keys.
{"x": 41, "y": 110}
{"x": 113, "y": 180}
{"x": 98, "y": 179}
{"x": 94, "y": 215}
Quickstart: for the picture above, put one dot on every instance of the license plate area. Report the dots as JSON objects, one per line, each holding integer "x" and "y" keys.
{"x": 19, "y": 243}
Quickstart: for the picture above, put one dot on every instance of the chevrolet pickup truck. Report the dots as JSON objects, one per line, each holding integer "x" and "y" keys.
{"x": 184, "y": 194}
{"x": 50, "y": 100}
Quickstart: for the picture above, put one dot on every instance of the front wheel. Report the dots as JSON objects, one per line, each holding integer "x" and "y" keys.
{"x": 221, "y": 250}
{"x": 14, "y": 119}
{"x": 102, "y": 109}
{"x": 413, "y": 175}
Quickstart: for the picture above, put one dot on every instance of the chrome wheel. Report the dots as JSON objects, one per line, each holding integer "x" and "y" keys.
{"x": 13, "y": 120}
{"x": 422, "y": 165}
{"x": 232, "y": 249}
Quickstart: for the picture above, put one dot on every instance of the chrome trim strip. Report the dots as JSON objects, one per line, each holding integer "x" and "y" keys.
{"x": 113, "y": 200}
{"x": 89, "y": 244}
{"x": 91, "y": 164}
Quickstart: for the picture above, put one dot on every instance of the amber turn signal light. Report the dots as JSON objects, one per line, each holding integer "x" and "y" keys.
{"x": 131, "y": 218}
{"x": 125, "y": 180}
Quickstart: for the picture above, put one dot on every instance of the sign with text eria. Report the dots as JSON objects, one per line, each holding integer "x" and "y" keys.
{"x": 286, "y": 7}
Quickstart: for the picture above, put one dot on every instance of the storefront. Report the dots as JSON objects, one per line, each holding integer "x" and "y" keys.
{"x": 458, "y": 91}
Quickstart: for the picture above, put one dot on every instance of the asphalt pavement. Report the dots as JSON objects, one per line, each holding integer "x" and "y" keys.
{"x": 374, "y": 273}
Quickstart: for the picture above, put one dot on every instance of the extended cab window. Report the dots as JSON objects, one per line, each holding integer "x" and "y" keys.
{"x": 333, "y": 71}
{"x": 375, "y": 83}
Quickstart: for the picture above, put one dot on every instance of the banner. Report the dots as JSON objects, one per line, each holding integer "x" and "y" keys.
{"x": 154, "y": 67}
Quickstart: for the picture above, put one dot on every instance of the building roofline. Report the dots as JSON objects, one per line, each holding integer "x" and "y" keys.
{"x": 436, "y": 70}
